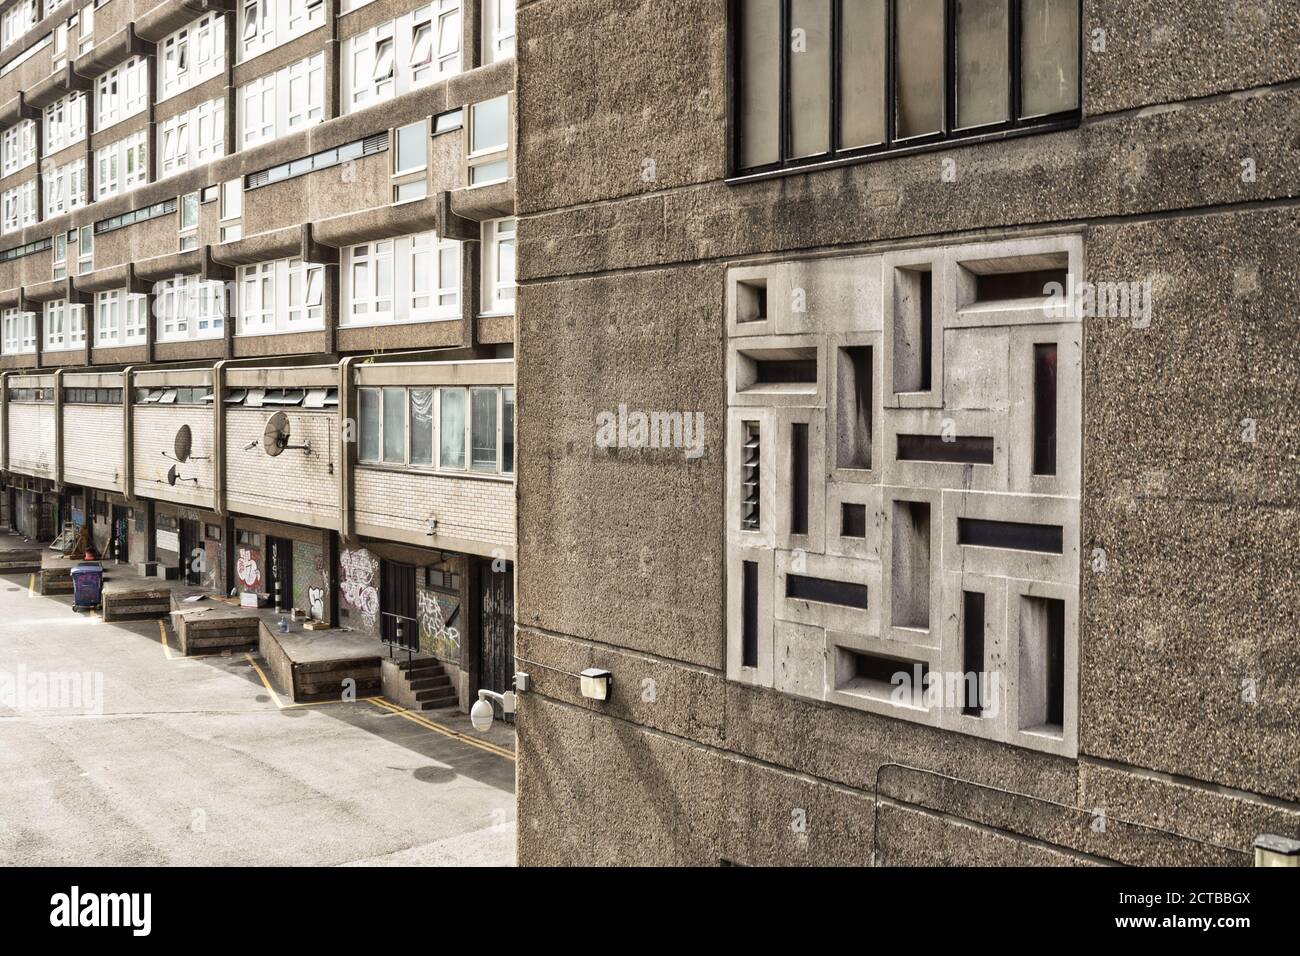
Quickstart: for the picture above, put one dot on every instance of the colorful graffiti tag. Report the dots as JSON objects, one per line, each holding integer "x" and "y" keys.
{"x": 359, "y": 584}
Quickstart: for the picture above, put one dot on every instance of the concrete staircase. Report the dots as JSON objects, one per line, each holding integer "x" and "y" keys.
{"x": 421, "y": 684}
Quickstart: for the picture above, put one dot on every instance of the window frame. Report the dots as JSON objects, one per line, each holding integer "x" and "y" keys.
{"x": 949, "y": 135}
{"x": 436, "y": 466}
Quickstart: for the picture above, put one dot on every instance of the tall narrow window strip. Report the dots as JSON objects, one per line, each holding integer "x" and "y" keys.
{"x": 759, "y": 83}
{"x": 810, "y": 77}
{"x": 863, "y": 61}
{"x": 983, "y": 62}
{"x": 1050, "y": 59}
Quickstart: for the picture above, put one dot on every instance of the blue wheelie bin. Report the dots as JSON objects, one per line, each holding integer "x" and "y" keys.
{"x": 87, "y": 585}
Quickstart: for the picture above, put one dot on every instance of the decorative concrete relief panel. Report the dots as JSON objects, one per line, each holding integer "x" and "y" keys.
{"x": 903, "y": 474}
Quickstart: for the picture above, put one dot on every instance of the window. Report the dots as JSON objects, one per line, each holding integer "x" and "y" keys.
{"x": 19, "y": 333}
{"x": 121, "y": 318}
{"x": 85, "y": 250}
{"x": 410, "y": 145}
{"x": 499, "y": 266}
{"x": 65, "y": 188}
{"x": 407, "y": 279}
{"x": 19, "y": 206}
{"x": 266, "y": 24}
{"x": 402, "y": 54}
{"x": 325, "y": 159}
{"x": 17, "y": 147}
{"x": 188, "y": 228}
{"x": 401, "y": 426}
{"x": 923, "y": 71}
{"x": 489, "y": 141}
{"x": 65, "y": 326}
{"x": 122, "y": 166}
{"x": 130, "y": 218}
{"x": 276, "y": 104}
{"x": 65, "y": 122}
{"x": 121, "y": 92}
{"x": 86, "y": 38}
{"x": 232, "y": 208}
{"x": 189, "y": 308}
{"x": 194, "y": 53}
{"x": 192, "y": 138}
{"x": 498, "y": 30}
{"x": 59, "y": 258}
{"x": 280, "y": 296}
{"x": 17, "y": 20}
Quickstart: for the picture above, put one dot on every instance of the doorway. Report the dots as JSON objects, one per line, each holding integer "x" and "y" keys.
{"x": 191, "y": 567}
{"x": 397, "y": 605}
{"x": 279, "y": 572}
{"x": 496, "y": 627}
{"x": 119, "y": 541}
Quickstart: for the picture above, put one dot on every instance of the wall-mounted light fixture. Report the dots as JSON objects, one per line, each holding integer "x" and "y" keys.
{"x": 595, "y": 683}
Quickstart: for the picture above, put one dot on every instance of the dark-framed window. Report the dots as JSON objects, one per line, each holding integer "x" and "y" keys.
{"x": 817, "y": 81}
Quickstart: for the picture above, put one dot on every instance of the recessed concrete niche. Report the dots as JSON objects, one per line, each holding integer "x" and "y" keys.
{"x": 903, "y": 484}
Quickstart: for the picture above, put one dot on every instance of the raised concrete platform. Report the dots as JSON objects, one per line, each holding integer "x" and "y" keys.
{"x": 212, "y": 625}
{"x": 18, "y": 556}
{"x": 314, "y": 665}
{"x": 55, "y": 576}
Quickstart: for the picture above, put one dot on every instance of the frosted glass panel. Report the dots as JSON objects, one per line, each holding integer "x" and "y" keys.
{"x": 1050, "y": 57}
{"x": 919, "y": 24}
{"x": 863, "y": 43}
{"x": 759, "y": 99}
{"x": 810, "y": 77}
{"x": 983, "y": 71}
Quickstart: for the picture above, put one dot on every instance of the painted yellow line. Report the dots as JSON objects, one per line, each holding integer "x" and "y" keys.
{"x": 265, "y": 683}
{"x": 162, "y": 632}
{"x": 279, "y": 702}
{"x": 31, "y": 586}
{"x": 440, "y": 729}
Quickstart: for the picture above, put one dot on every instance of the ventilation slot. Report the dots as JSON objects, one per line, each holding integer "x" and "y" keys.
{"x": 786, "y": 371}
{"x": 751, "y": 300}
{"x": 1045, "y": 409}
{"x": 910, "y": 588}
{"x": 913, "y": 331}
{"x": 972, "y": 652}
{"x": 880, "y": 677}
{"x": 1042, "y": 665}
{"x": 749, "y": 479}
{"x": 799, "y": 478}
{"x": 825, "y": 591}
{"x": 853, "y": 521}
{"x": 854, "y": 387}
{"x": 960, "y": 451}
{"x": 749, "y": 614}
{"x": 777, "y": 370}
{"x": 1011, "y": 535}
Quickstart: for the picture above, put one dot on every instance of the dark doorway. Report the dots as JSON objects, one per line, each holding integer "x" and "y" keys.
{"x": 497, "y": 627}
{"x": 397, "y": 605}
{"x": 279, "y": 572}
{"x": 119, "y": 541}
{"x": 191, "y": 568}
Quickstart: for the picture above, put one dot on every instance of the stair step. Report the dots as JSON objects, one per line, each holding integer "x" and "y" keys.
{"x": 437, "y": 704}
{"x": 441, "y": 693}
{"x": 425, "y": 683}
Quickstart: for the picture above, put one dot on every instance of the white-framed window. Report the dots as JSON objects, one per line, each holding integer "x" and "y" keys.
{"x": 465, "y": 430}
{"x": 410, "y": 161}
{"x": 59, "y": 255}
{"x": 266, "y": 24}
{"x": 191, "y": 138}
{"x": 489, "y": 141}
{"x": 19, "y": 332}
{"x": 65, "y": 188}
{"x": 285, "y": 295}
{"x": 407, "y": 279}
{"x": 65, "y": 325}
{"x": 498, "y": 248}
{"x": 85, "y": 250}
{"x": 232, "y": 208}
{"x": 52, "y": 5}
{"x": 19, "y": 206}
{"x": 498, "y": 30}
{"x": 194, "y": 53}
{"x": 86, "y": 39}
{"x": 17, "y": 20}
{"x": 275, "y": 105}
{"x": 108, "y": 317}
{"x": 402, "y": 54}
{"x": 17, "y": 147}
{"x": 65, "y": 122}
{"x": 187, "y": 229}
{"x": 189, "y": 308}
{"x": 121, "y": 92}
{"x": 122, "y": 166}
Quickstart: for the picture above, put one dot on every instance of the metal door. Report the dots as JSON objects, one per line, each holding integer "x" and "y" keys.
{"x": 397, "y": 605}
{"x": 496, "y": 627}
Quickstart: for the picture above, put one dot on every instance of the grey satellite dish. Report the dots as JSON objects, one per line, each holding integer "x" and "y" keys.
{"x": 172, "y": 476}
{"x": 275, "y": 437}
{"x": 184, "y": 443}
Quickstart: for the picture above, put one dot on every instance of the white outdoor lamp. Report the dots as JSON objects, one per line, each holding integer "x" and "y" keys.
{"x": 594, "y": 683}
{"x": 1274, "y": 850}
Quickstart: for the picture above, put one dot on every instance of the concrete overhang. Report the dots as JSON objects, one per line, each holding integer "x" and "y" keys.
{"x": 167, "y": 17}
{"x": 481, "y": 203}
{"x": 121, "y": 46}
{"x": 381, "y": 222}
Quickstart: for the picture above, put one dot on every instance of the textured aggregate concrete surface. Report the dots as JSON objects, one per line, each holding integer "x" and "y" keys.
{"x": 193, "y": 763}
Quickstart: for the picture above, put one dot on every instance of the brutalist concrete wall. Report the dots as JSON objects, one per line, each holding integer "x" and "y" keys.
{"x": 1183, "y": 174}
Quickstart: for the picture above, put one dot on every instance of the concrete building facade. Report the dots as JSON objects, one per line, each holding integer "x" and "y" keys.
{"x": 257, "y": 296}
{"x": 988, "y": 313}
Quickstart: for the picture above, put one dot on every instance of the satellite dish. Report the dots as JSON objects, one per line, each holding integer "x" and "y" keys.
{"x": 172, "y": 476}
{"x": 184, "y": 443}
{"x": 275, "y": 437}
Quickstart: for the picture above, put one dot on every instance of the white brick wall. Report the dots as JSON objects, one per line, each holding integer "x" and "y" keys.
{"x": 155, "y": 433}
{"x": 464, "y": 507}
{"x": 92, "y": 444}
{"x": 31, "y": 439}
{"x": 293, "y": 481}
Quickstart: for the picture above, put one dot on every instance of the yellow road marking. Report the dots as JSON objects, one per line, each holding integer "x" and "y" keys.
{"x": 439, "y": 728}
{"x": 31, "y": 586}
{"x": 162, "y": 632}
{"x": 282, "y": 705}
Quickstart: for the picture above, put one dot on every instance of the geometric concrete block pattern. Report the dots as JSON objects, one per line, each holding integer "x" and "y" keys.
{"x": 903, "y": 478}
